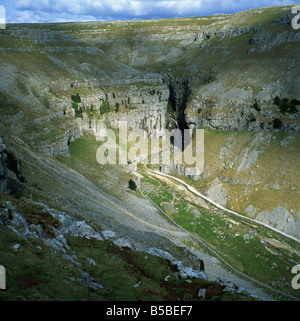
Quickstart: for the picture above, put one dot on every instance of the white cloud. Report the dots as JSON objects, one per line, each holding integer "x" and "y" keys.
{"x": 23, "y": 4}
{"x": 79, "y": 10}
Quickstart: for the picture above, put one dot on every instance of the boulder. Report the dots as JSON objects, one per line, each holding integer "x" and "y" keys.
{"x": 87, "y": 280}
{"x": 123, "y": 243}
{"x": 217, "y": 192}
{"x": 184, "y": 272}
{"x": 70, "y": 226}
{"x": 201, "y": 293}
{"x": 15, "y": 221}
{"x": 282, "y": 220}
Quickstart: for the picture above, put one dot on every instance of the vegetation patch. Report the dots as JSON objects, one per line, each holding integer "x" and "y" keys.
{"x": 240, "y": 244}
{"x": 286, "y": 106}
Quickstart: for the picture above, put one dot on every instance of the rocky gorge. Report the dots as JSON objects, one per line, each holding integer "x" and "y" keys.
{"x": 236, "y": 77}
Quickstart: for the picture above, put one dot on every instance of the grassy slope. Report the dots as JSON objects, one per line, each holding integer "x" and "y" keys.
{"x": 36, "y": 272}
{"x": 250, "y": 249}
{"x": 271, "y": 181}
{"x": 112, "y": 179}
{"x": 260, "y": 179}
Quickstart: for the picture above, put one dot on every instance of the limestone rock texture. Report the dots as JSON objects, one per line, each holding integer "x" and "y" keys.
{"x": 222, "y": 74}
{"x": 281, "y": 219}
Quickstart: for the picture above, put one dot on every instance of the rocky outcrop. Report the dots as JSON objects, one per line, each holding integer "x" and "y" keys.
{"x": 15, "y": 221}
{"x": 284, "y": 20}
{"x": 37, "y": 35}
{"x": 59, "y": 147}
{"x": 86, "y": 50}
{"x": 233, "y": 109}
{"x": 216, "y": 192}
{"x": 183, "y": 271}
{"x": 266, "y": 41}
{"x": 69, "y": 226}
{"x": 143, "y": 109}
{"x": 282, "y": 220}
{"x": 233, "y": 287}
{"x": 249, "y": 155}
{"x": 232, "y": 31}
{"x": 192, "y": 172}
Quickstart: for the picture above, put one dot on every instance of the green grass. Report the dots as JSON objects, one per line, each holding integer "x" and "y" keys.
{"x": 46, "y": 131}
{"x": 36, "y": 273}
{"x": 84, "y": 149}
{"x": 267, "y": 15}
{"x": 8, "y": 106}
{"x": 242, "y": 245}
{"x": 150, "y": 180}
{"x": 83, "y": 159}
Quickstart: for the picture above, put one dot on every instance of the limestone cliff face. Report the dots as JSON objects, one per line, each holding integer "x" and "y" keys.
{"x": 160, "y": 74}
{"x": 141, "y": 109}
{"x": 163, "y": 74}
{"x": 224, "y": 113}
{"x": 280, "y": 218}
{"x": 222, "y": 108}
{"x": 220, "y": 73}
{"x": 61, "y": 145}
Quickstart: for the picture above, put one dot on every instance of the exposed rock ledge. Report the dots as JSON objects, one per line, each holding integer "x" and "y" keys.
{"x": 16, "y": 222}
{"x": 60, "y": 147}
{"x": 280, "y": 218}
{"x": 191, "y": 172}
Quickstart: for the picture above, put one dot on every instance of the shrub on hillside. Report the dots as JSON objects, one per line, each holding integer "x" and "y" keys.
{"x": 285, "y": 105}
{"x": 132, "y": 185}
{"x": 256, "y": 107}
{"x": 277, "y": 123}
{"x": 104, "y": 108}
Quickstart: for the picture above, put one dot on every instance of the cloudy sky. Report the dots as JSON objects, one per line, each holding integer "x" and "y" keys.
{"x": 90, "y": 10}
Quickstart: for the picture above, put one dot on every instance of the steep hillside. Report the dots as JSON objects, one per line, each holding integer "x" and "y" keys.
{"x": 235, "y": 76}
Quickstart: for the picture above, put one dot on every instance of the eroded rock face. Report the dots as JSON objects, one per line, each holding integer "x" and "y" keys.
{"x": 141, "y": 109}
{"x": 192, "y": 172}
{"x": 263, "y": 42}
{"x": 217, "y": 192}
{"x": 144, "y": 97}
{"x": 222, "y": 109}
{"x": 282, "y": 220}
{"x": 61, "y": 146}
